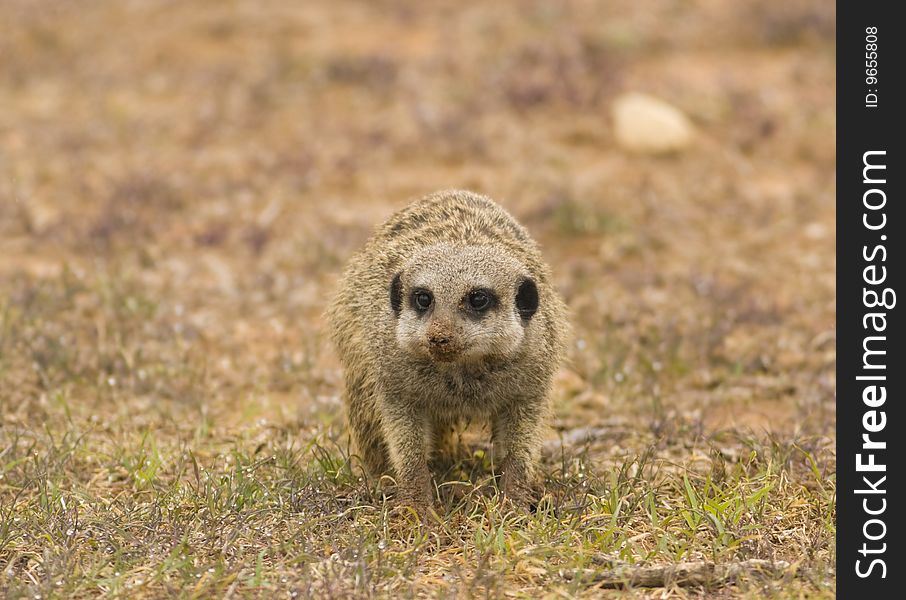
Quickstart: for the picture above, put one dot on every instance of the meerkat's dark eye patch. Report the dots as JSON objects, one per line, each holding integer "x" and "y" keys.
{"x": 421, "y": 300}
{"x": 480, "y": 300}
{"x": 527, "y": 299}
{"x": 396, "y": 294}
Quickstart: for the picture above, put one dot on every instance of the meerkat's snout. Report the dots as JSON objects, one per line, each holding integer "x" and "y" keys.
{"x": 443, "y": 342}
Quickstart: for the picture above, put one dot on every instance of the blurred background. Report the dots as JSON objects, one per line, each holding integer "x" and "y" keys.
{"x": 181, "y": 184}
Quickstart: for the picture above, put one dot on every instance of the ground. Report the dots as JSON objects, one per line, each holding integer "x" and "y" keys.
{"x": 181, "y": 184}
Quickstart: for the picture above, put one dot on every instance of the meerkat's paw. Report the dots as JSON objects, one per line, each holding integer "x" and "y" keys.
{"x": 408, "y": 512}
{"x": 517, "y": 491}
{"x": 521, "y": 502}
{"x": 414, "y": 500}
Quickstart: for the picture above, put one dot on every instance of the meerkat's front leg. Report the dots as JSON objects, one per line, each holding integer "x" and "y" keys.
{"x": 408, "y": 439}
{"x": 517, "y": 436}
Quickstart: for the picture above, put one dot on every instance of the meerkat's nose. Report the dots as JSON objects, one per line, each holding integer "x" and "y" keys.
{"x": 440, "y": 334}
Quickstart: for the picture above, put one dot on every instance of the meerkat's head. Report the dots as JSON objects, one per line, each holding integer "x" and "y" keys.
{"x": 462, "y": 303}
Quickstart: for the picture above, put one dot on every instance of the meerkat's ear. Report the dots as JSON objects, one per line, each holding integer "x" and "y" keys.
{"x": 396, "y": 294}
{"x": 527, "y": 299}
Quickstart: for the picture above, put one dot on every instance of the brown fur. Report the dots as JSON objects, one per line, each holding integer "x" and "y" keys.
{"x": 411, "y": 374}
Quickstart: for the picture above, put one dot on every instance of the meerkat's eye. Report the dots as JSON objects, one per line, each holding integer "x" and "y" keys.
{"x": 422, "y": 300}
{"x": 479, "y": 300}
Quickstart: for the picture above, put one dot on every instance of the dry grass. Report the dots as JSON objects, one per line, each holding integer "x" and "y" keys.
{"x": 180, "y": 184}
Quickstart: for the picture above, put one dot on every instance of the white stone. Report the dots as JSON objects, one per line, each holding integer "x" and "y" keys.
{"x": 646, "y": 124}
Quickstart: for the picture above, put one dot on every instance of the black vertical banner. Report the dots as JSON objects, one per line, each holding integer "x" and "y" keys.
{"x": 871, "y": 57}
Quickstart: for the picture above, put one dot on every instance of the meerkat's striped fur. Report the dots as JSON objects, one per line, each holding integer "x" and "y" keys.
{"x": 448, "y": 313}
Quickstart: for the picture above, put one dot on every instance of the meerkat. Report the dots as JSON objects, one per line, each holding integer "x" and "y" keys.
{"x": 448, "y": 314}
